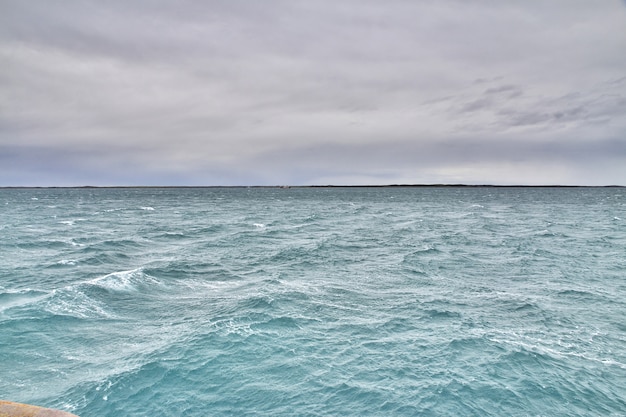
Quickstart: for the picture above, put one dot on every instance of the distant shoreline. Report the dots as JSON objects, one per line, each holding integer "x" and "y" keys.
{"x": 314, "y": 186}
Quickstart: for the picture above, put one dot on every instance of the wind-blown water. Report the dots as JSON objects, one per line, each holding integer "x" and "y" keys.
{"x": 314, "y": 301}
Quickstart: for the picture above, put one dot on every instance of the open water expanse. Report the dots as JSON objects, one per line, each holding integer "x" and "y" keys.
{"x": 395, "y": 301}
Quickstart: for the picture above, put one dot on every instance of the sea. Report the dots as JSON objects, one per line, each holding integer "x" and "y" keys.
{"x": 314, "y": 301}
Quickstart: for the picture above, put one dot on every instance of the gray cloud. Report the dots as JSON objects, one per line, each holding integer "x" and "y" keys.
{"x": 242, "y": 92}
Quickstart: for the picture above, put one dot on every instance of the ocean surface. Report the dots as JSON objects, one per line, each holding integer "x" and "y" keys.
{"x": 396, "y": 301}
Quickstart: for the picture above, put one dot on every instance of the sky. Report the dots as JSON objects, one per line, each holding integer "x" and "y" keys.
{"x": 295, "y": 92}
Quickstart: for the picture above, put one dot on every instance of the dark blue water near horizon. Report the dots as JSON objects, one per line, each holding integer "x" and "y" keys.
{"x": 397, "y": 301}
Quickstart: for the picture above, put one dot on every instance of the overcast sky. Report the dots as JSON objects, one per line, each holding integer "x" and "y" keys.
{"x": 247, "y": 92}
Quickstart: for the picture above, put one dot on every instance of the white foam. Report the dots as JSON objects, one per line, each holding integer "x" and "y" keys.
{"x": 74, "y": 303}
{"x": 538, "y": 345}
{"x": 68, "y": 301}
{"x": 17, "y": 298}
{"x": 67, "y": 222}
{"x": 122, "y": 280}
{"x": 66, "y": 262}
{"x": 147, "y": 208}
{"x": 199, "y": 288}
{"x": 259, "y": 225}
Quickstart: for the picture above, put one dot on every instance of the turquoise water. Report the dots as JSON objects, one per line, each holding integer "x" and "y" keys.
{"x": 315, "y": 301}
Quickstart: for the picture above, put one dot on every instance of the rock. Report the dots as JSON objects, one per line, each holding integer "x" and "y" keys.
{"x": 11, "y": 409}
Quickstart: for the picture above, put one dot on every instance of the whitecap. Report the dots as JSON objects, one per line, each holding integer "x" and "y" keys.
{"x": 259, "y": 225}
{"x": 66, "y": 262}
{"x": 544, "y": 232}
{"x": 74, "y": 303}
{"x": 123, "y": 280}
{"x": 67, "y": 222}
{"x": 147, "y": 208}
{"x": 538, "y": 347}
{"x": 68, "y": 301}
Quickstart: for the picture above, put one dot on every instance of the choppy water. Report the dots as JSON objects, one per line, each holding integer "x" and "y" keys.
{"x": 315, "y": 302}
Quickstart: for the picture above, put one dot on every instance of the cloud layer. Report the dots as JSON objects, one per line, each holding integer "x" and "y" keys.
{"x": 302, "y": 92}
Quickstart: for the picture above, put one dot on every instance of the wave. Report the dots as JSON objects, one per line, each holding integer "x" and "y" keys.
{"x": 83, "y": 300}
{"x": 72, "y": 302}
{"x": 20, "y": 297}
{"x": 127, "y": 281}
{"x": 519, "y": 345}
{"x": 426, "y": 250}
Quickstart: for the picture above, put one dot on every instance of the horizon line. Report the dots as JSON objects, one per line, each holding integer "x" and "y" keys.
{"x": 441, "y": 185}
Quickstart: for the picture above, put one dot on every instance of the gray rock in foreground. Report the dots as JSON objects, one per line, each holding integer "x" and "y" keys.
{"x": 11, "y": 409}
